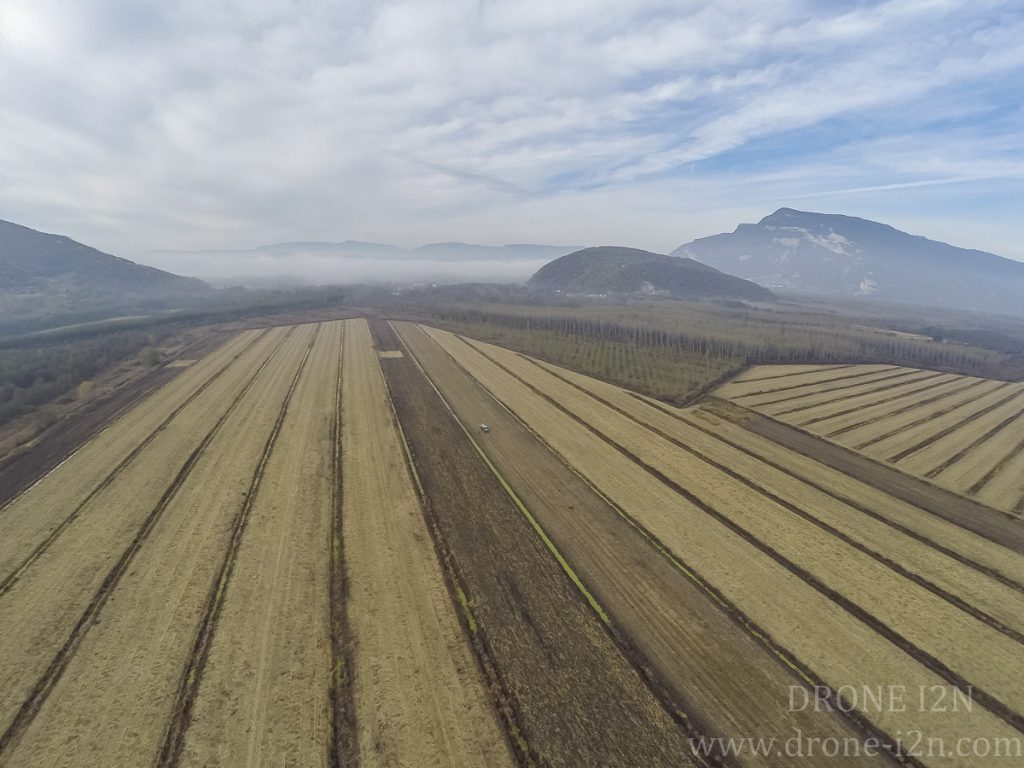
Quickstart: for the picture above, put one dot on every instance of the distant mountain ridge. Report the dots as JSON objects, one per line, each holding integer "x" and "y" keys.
{"x": 616, "y": 271}
{"x": 451, "y": 251}
{"x": 846, "y": 256}
{"x": 358, "y": 261}
{"x": 33, "y": 262}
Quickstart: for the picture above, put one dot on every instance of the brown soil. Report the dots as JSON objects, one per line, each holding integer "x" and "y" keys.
{"x": 576, "y": 697}
{"x": 709, "y": 660}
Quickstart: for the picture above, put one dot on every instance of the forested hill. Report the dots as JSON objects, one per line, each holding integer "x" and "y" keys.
{"x": 615, "y": 271}
{"x": 34, "y": 262}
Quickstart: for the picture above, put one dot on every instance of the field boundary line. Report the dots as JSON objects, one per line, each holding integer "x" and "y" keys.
{"x": 996, "y": 469}
{"x": 900, "y": 410}
{"x": 343, "y": 750}
{"x": 823, "y": 369}
{"x": 863, "y": 509}
{"x": 885, "y": 400}
{"x": 764, "y": 638}
{"x": 950, "y": 408}
{"x": 901, "y": 455}
{"x": 115, "y": 419}
{"x": 962, "y": 454}
{"x": 12, "y": 578}
{"x": 802, "y": 513}
{"x": 889, "y": 368}
{"x": 987, "y": 700}
{"x": 751, "y": 425}
{"x": 842, "y": 393}
{"x": 192, "y": 675}
{"x": 505, "y": 705}
{"x": 889, "y": 387}
{"x": 49, "y": 679}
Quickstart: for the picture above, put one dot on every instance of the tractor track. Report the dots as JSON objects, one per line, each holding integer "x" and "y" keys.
{"x": 192, "y": 675}
{"x": 343, "y": 749}
{"x": 12, "y": 578}
{"x": 987, "y": 700}
{"x": 507, "y": 708}
{"x": 49, "y": 679}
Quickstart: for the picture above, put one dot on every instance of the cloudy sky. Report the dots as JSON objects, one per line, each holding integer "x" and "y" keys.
{"x": 185, "y": 124}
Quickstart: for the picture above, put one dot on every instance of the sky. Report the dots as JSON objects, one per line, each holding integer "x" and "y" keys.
{"x": 191, "y": 125}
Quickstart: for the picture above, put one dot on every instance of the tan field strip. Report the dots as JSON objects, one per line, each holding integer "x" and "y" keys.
{"x": 939, "y": 533}
{"x": 971, "y": 648}
{"x": 811, "y": 409}
{"x": 962, "y": 433}
{"x": 264, "y": 695}
{"x": 768, "y": 372}
{"x": 801, "y": 618}
{"x": 872, "y": 434}
{"x": 112, "y": 704}
{"x": 53, "y": 590}
{"x": 971, "y": 585}
{"x": 419, "y": 697}
{"x": 970, "y": 472}
{"x": 735, "y": 390}
{"x": 891, "y": 448}
{"x": 844, "y": 423}
{"x": 1006, "y": 490}
{"x": 817, "y": 394}
{"x": 30, "y": 517}
{"x": 931, "y": 458}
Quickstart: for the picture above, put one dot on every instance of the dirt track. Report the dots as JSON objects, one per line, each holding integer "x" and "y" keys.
{"x": 714, "y": 667}
{"x": 419, "y": 698}
{"x": 578, "y": 701}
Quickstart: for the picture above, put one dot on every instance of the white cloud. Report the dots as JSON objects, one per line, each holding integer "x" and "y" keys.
{"x": 195, "y": 125}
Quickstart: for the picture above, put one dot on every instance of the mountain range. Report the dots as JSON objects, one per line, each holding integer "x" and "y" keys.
{"x": 615, "y": 271}
{"x": 357, "y": 261}
{"x": 838, "y": 255}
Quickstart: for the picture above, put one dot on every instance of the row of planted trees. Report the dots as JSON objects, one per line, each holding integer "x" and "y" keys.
{"x": 763, "y": 342}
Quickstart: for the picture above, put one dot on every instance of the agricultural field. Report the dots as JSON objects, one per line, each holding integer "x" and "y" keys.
{"x": 962, "y": 433}
{"x": 380, "y": 543}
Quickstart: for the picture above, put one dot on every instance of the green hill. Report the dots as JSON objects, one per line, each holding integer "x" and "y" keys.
{"x": 615, "y": 271}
